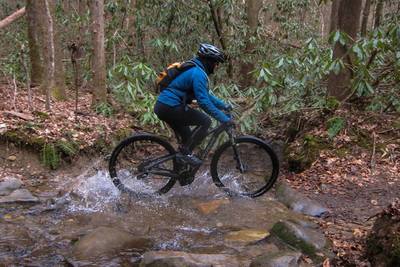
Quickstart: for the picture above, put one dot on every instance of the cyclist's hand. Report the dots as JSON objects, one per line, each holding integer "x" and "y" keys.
{"x": 230, "y": 123}
{"x": 228, "y": 108}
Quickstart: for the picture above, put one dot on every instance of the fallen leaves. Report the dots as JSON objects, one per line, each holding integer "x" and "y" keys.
{"x": 343, "y": 180}
{"x": 60, "y": 122}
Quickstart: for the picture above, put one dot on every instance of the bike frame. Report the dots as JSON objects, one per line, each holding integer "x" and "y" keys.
{"x": 151, "y": 167}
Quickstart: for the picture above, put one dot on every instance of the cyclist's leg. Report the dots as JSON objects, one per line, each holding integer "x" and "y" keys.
{"x": 169, "y": 115}
{"x": 200, "y": 119}
{"x": 180, "y": 118}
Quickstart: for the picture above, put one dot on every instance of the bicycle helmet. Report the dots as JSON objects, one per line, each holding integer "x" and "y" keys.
{"x": 211, "y": 52}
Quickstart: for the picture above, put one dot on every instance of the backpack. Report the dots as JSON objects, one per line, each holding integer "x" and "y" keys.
{"x": 173, "y": 70}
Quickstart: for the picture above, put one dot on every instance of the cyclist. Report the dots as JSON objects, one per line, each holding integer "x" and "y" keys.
{"x": 172, "y": 103}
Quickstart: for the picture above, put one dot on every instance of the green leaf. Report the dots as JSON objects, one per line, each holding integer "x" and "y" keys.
{"x": 335, "y": 125}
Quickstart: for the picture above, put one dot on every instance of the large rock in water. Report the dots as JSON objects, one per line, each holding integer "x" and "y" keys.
{"x": 247, "y": 236}
{"x": 277, "y": 259}
{"x": 297, "y": 202}
{"x": 303, "y": 236}
{"x": 19, "y": 195}
{"x": 8, "y": 185}
{"x": 183, "y": 259}
{"x": 105, "y": 240}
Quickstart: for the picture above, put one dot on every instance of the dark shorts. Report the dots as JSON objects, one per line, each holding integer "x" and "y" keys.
{"x": 179, "y": 118}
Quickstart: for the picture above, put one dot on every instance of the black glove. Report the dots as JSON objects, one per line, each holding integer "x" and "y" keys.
{"x": 228, "y": 108}
{"x": 229, "y": 123}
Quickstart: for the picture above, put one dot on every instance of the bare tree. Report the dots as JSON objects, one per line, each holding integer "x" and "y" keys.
{"x": 131, "y": 22}
{"x": 378, "y": 13}
{"x": 252, "y": 9}
{"x": 34, "y": 38}
{"x": 349, "y": 23}
{"x": 366, "y": 11}
{"x": 48, "y": 51}
{"x": 334, "y": 15}
{"x": 99, "y": 60}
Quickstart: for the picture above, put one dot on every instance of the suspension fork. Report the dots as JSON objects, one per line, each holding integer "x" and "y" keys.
{"x": 239, "y": 164}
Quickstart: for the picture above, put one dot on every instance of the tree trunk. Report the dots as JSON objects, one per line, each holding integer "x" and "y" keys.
{"x": 348, "y": 22}
{"x": 59, "y": 91}
{"x": 365, "y": 17}
{"x": 80, "y": 39}
{"x": 34, "y": 33}
{"x": 82, "y": 7}
{"x": 216, "y": 17}
{"x": 99, "y": 61}
{"x": 48, "y": 51}
{"x": 334, "y": 15}
{"x": 53, "y": 80}
{"x": 132, "y": 24}
{"x": 378, "y": 13}
{"x": 14, "y": 16}
{"x": 252, "y": 9}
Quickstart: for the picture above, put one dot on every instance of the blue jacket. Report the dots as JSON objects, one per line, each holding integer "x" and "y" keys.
{"x": 190, "y": 84}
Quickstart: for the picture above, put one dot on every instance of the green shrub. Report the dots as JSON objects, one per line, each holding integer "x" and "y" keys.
{"x": 50, "y": 156}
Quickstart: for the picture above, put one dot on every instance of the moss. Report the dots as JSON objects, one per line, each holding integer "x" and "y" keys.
{"x": 342, "y": 152}
{"x": 121, "y": 134}
{"x": 41, "y": 115}
{"x": 50, "y": 156}
{"x": 69, "y": 148}
{"x": 303, "y": 157}
{"x": 396, "y": 124}
{"x": 58, "y": 93}
{"x": 332, "y": 103}
{"x": 362, "y": 138}
{"x": 101, "y": 145}
{"x": 21, "y": 138}
{"x": 282, "y": 232}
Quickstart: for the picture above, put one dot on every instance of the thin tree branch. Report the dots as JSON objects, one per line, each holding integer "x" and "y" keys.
{"x": 13, "y": 17}
{"x": 216, "y": 25}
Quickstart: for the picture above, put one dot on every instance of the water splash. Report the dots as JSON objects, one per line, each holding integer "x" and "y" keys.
{"x": 94, "y": 193}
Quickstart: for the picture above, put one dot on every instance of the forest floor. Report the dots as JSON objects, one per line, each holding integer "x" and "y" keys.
{"x": 84, "y": 127}
{"x": 356, "y": 176}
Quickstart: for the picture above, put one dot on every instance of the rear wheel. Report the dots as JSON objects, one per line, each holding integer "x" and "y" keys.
{"x": 249, "y": 168}
{"x": 142, "y": 164}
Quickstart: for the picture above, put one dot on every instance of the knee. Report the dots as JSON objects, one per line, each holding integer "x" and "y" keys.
{"x": 206, "y": 122}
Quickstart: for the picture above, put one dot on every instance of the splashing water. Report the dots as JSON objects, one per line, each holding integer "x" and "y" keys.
{"x": 95, "y": 193}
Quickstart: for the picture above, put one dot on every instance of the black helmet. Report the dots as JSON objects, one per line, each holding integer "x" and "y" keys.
{"x": 212, "y": 52}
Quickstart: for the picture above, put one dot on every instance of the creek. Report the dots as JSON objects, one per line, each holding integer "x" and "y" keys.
{"x": 193, "y": 219}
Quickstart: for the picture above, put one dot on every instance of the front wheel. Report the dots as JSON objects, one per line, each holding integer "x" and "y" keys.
{"x": 143, "y": 163}
{"x": 249, "y": 167}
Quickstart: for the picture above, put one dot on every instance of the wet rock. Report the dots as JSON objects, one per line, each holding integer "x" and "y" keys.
{"x": 183, "y": 259}
{"x": 253, "y": 251}
{"x": 301, "y": 236}
{"x": 277, "y": 259}
{"x": 19, "y": 195}
{"x": 211, "y": 206}
{"x": 15, "y": 236}
{"x": 106, "y": 240}
{"x": 9, "y": 185}
{"x": 3, "y": 128}
{"x": 12, "y": 158}
{"x": 246, "y": 236}
{"x": 298, "y": 202}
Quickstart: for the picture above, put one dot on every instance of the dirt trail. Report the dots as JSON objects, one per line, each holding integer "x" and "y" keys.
{"x": 354, "y": 192}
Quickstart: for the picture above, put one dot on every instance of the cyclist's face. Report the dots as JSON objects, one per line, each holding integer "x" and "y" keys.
{"x": 215, "y": 65}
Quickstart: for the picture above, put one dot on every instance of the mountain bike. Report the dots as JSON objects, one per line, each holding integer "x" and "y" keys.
{"x": 244, "y": 165}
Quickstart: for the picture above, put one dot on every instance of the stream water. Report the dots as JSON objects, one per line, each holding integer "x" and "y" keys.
{"x": 44, "y": 234}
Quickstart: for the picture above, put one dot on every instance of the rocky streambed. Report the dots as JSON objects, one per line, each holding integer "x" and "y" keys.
{"x": 82, "y": 220}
